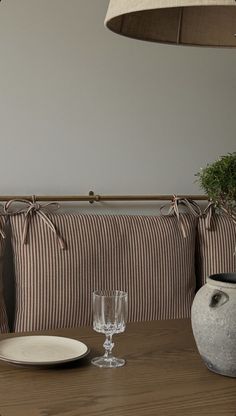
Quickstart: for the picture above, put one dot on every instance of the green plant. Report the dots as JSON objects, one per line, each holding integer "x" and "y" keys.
{"x": 218, "y": 180}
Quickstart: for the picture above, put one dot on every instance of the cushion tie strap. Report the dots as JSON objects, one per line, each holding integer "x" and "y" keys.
{"x": 232, "y": 215}
{"x": 2, "y": 234}
{"x": 209, "y": 212}
{"x": 2, "y": 214}
{"x": 191, "y": 205}
{"x": 34, "y": 208}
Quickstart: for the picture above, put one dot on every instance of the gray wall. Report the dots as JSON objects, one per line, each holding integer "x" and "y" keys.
{"x": 82, "y": 108}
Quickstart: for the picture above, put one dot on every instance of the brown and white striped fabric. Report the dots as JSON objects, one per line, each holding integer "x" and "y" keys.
{"x": 215, "y": 247}
{"x": 146, "y": 256}
{"x": 3, "y": 314}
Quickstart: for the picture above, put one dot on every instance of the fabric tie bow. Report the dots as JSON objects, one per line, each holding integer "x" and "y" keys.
{"x": 208, "y": 212}
{"x": 191, "y": 205}
{"x": 34, "y": 208}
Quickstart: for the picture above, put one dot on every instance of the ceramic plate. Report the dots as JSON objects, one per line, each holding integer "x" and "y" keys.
{"x": 40, "y": 350}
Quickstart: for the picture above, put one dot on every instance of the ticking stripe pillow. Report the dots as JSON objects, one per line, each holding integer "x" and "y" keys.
{"x": 215, "y": 247}
{"x": 3, "y": 314}
{"x": 143, "y": 255}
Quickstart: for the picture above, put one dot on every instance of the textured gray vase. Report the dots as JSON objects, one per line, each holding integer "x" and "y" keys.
{"x": 214, "y": 323}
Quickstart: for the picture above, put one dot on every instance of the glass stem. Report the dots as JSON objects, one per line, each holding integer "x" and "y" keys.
{"x": 108, "y": 345}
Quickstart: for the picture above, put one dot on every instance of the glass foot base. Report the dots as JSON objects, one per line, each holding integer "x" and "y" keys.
{"x": 111, "y": 362}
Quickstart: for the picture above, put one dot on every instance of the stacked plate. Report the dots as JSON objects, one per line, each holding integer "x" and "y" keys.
{"x": 41, "y": 350}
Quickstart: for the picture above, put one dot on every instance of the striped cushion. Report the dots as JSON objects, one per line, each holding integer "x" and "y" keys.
{"x": 143, "y": 255}
{"x": 3, "y": 314}
{"x": 215, "y": 247}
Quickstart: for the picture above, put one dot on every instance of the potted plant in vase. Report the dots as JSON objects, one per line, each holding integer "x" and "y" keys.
{"x": 214, "y": 307}
{"x": 218, "y": 180}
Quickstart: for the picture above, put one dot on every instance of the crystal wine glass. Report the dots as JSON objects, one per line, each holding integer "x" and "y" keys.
{"x": 109, "y": 318}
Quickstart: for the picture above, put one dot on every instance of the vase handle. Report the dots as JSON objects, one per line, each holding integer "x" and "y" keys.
{"x": 218, "y": 299}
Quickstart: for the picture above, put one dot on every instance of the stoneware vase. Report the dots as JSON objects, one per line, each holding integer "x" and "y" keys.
{"x": 214, "y": 323}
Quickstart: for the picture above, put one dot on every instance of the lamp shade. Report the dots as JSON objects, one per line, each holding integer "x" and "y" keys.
{"x": 186, "y": 22}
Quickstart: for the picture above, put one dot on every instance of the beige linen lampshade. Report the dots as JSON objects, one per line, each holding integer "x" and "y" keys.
{"x": 186, "y": 22}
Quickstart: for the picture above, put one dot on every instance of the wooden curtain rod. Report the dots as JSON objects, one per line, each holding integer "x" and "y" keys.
{"x": 99, "y": 198}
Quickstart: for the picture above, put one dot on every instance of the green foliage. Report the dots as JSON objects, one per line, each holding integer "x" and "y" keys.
{"x": 218, "y": 180}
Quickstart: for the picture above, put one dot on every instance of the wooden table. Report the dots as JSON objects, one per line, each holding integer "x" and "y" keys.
{"x": 164, "y": 376}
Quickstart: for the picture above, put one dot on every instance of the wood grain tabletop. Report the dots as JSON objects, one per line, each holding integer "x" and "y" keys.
{"x": 163, "y": 376}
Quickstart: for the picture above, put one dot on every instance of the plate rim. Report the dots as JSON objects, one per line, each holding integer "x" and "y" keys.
{"x": 44, "y": 363}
